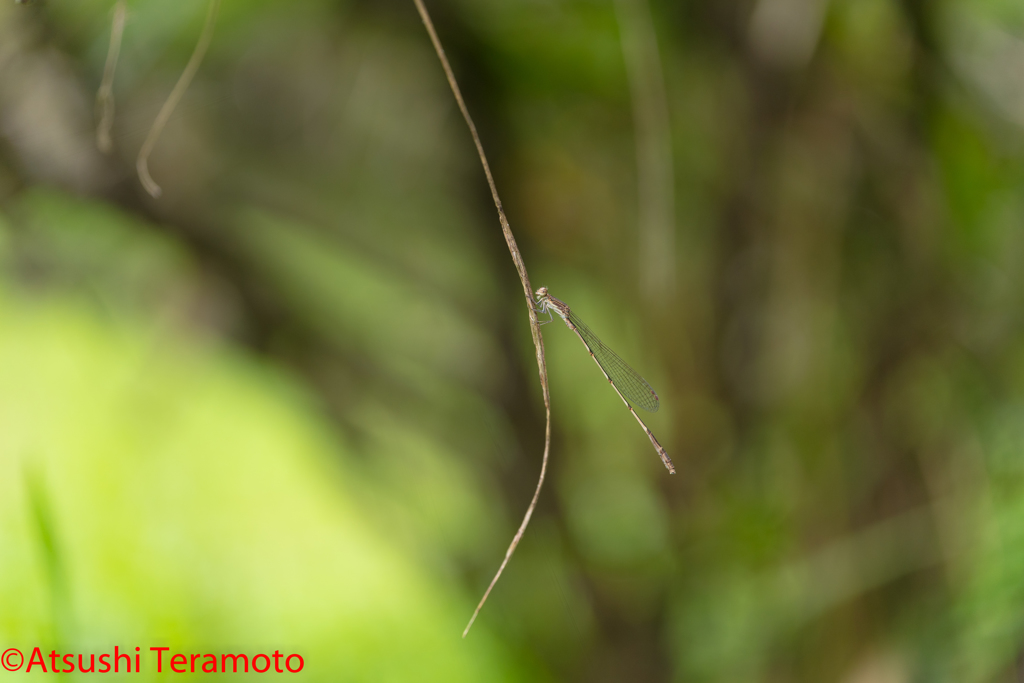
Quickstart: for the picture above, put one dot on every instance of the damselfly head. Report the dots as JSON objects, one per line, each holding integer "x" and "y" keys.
{"x": 542, "y": 293}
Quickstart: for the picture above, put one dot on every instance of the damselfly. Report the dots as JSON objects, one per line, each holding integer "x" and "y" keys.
{"x": 626, "y": 382}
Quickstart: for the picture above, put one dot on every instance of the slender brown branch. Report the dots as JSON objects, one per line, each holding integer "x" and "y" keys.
{"x": 517, "y": 258}
{"x": 142, "y": 164}
{"x": 105, "y": 95}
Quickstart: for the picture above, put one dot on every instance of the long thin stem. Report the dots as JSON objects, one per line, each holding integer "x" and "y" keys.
{"x": 105, "y": 95}
{"x": 142, "y": 164}
{"x": 517, "y": 258}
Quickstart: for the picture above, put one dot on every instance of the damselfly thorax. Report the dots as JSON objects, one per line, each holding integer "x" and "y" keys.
{"x": 548, "y": 304}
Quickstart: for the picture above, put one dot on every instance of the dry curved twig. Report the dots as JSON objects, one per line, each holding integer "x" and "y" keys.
{"x": 517, "y": 258}
{"x": 142, "y": 164}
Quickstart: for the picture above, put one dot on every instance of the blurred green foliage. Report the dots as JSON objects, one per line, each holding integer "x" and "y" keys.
{"x": 180, "y": 494}
{"x": 292, "y": 404}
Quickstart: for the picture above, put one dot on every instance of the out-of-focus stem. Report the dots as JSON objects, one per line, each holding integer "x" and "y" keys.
{"x": 655, "y": 173}
{"x": 105, "y": 95}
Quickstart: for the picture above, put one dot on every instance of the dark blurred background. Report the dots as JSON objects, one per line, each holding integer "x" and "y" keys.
{"x": 292, "y": 403}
